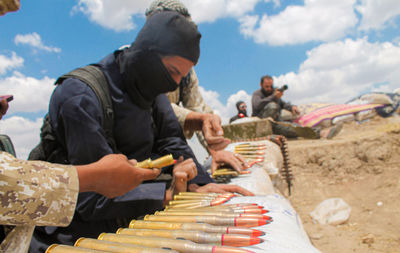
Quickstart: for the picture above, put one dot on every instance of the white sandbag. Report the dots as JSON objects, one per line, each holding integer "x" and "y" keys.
{"x": 332, "y": 211}
{"x": 342, "y": 119}
{"x": 377, "y": 98}
{"x": 286, "y": 233}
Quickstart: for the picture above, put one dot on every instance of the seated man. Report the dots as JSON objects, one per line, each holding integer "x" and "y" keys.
{"x": 242, "y": 111}
{"x": 144, "y": 126}
{"x": 267, "y": 103}
{"x": 190, "y": 108}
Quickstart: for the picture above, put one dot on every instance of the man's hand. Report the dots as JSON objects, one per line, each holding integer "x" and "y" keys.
{"x": 187, "y": 167}
{"x": 236, "y": 161}
{"x": 278, "y": 93}
{"x": 183, "y": 172}
{"x": 295, "y": 110}
{"x": 3, "y": 108}
{"x": 220, "y": 188}
{"x": 213, "y": 133}
{"x": 113, "y": 175}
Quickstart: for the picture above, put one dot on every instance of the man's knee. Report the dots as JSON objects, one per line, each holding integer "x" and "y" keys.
{"x": 272, "y": 110}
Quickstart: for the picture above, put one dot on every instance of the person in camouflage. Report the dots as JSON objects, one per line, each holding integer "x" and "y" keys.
{"x": 195, "y": 115}
{"x": 8, "y": 6}
{"x": 37, "y": 193}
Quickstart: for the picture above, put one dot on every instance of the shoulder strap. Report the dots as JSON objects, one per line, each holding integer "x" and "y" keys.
{"x": 93, "y": 76}
{"x": 185, "y": 81}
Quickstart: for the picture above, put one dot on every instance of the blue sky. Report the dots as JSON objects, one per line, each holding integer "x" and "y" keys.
{"x": 326, "y": 51}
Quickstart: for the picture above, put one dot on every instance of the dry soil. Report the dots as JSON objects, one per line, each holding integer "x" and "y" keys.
{"x": 361, "y": 165}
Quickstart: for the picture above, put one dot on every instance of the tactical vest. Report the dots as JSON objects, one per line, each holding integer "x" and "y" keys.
{"x": 49, "y": 148}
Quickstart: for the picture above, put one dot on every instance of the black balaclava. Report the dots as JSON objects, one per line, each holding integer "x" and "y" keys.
{"x": 241, "y": 113}
{"x": 144, "y": 74}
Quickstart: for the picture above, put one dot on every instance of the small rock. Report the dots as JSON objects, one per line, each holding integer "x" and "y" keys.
{"x": 368, "y": 239}
{"x": 316, "y": 236}
{"x": 379, "y": 203}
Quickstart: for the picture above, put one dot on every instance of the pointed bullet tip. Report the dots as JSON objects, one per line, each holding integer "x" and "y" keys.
{"x": 262, "y": 222}
{"x": 258, "y": 233}
{"x": 255, "y": 240}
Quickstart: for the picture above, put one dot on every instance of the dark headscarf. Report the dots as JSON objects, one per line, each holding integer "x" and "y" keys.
{"x": 240, "y": 111}
{"x": 145, "y": 76}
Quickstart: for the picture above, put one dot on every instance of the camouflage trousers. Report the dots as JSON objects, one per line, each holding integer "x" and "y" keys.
{"x": 271, "y": 110}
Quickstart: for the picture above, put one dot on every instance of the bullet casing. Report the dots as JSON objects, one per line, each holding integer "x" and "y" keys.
{"x": 218, "y": 221}
{"x": 193, "y": 197}
{"x": 178, "y": 212}
{"x": 163, "y": 161}
{"x": 158, "y": 242}
{"x": 158, "y": 163}
{"x": 109, "y": 246}
{"x": 141, "y": 224}
{"x": 213, "y": 220}
{"x": 196, "y": 236}
{"x": 179, "y": 245}
{"x": 59, "y": 248}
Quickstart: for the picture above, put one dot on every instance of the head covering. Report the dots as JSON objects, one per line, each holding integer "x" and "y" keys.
{"x": 238, "y": 103}
{"x": 144, "y": 74}
{"x": 241, "y": 112}
{"x": 170, "y": 33}
{"x": 167, "y": 5}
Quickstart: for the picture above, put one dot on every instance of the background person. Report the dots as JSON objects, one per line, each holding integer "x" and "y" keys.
{"x": 242, "y": 111}
{"x": 266, "y": 102}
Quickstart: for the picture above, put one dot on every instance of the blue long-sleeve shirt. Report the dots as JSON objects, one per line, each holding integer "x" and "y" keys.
{"x": 76, "y": 117}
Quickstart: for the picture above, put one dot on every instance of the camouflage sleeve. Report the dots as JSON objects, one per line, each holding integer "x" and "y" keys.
{"x": 193, "y": 101}
{"x": 36, "y": 192}
{"x": 181, "y": 114}
{"x": 192, "y": 98}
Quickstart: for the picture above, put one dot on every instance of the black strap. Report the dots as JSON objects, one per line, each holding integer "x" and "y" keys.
{"x": 185, "y": 81}
{"x": 93, "y": 76}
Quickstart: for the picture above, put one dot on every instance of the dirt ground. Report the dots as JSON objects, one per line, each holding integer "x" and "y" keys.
{"x": 361, "y": 165}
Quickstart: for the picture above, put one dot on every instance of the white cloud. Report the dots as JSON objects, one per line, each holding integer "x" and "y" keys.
{"x": 229, "y": 110}
{"x": 377, "y": 14}
{"x": 338, "y": 71}
{"x": 35, "y": 41}
{"x": 113, "y": 14}
{"x": 30, "y": 94}
{"x": 23, "y": 132}
{"x": 117, "y": 14}
{"x": 211, "y": 10}
{"x": 322, "y": 20}
{"x": 10, "y": 63}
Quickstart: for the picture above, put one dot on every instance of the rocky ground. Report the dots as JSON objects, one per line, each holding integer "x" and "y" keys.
{"x": 361, "y": 165}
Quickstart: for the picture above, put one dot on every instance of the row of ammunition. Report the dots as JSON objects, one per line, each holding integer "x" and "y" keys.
{"x": 253, "y": 153}
{"x": 210, "y": 228}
